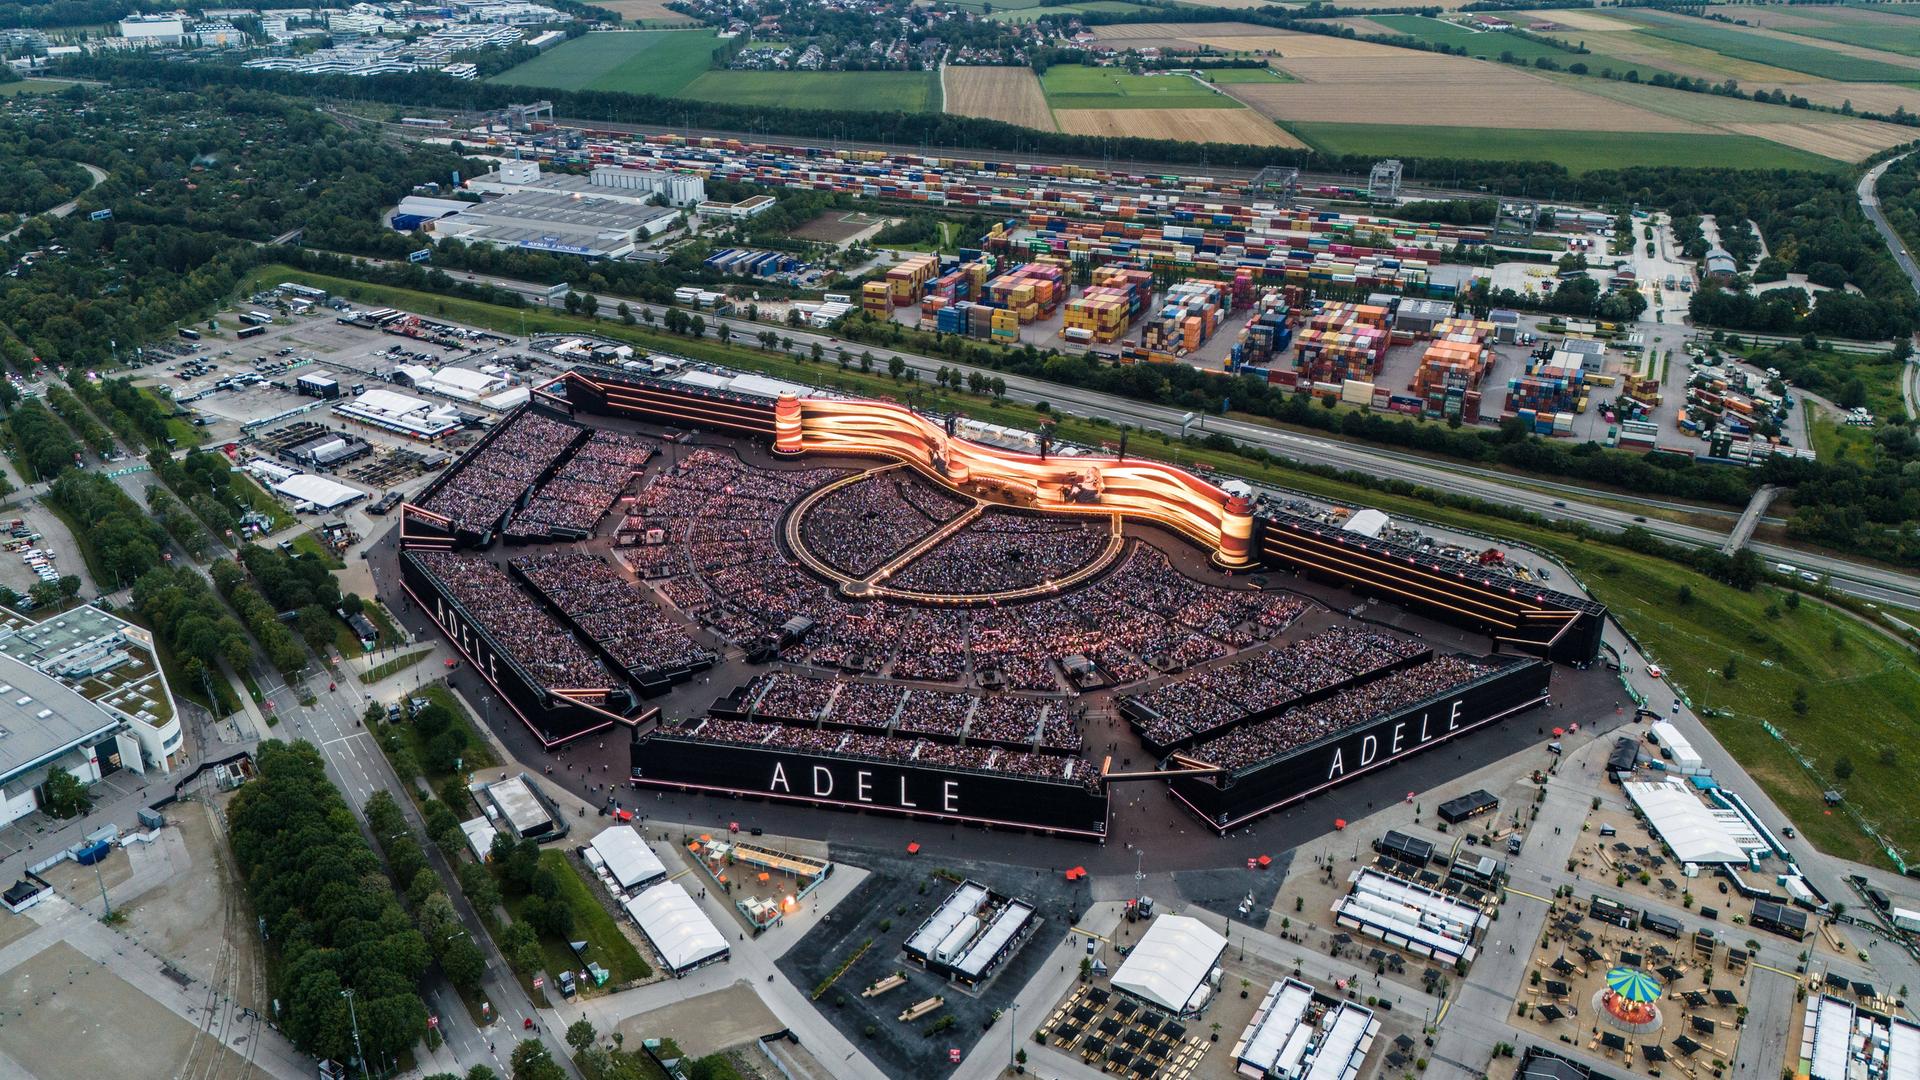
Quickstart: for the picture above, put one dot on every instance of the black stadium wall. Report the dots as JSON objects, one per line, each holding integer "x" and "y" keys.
{"x": 552, "y": 718}
{"x": 967, "y": 796}
{"x": 1519, "y": 617}
{"x": 1228, "y": 800}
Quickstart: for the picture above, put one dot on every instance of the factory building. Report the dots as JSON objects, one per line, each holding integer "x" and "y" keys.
{"x": 109, "y": 663}
{"x": 146, "y": 31}
{"x": 595, "y": 227}
{"x": 636, "y": 187}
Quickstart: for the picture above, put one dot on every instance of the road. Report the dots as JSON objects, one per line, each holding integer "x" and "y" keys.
{"x": 1870, "y": 205}
{"x": 1547, "y": 498}
{"x": 98, "y": 174}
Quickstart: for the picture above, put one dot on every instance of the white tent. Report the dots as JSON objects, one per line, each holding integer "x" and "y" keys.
{"x": 1368, "y": 523}
{"x": 678, "y": 930}
{"x": 628, "y": 858}
{"x": 306, "y": 489}
{"x": 1694, "y": 832}
{"x": 1172, "y": 964}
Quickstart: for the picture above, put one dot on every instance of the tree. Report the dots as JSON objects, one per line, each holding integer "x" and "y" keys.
{"x": 64, "y": 796}
{"x": 1843, "y": 767}
{"x": 724, "y": 332}
{"x": 895, "y": 365}
{"x": 1800, "y": 704}
{"x": 462, "y": 962}
{"x": 482, "y": 892}
{"x": 625, "y": 313}
{"x": 533, "y": 1061}
{"x": 580, "y": 1035}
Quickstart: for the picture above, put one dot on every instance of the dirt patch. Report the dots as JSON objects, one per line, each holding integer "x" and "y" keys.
{"x": 1843, "y": 142}
{"x": 647, "y": 11}
{"x": 78, "y": 883}
{"x": 198, "y": 915}
{"x": 836, "y": 228}
{"x": 1443, "y": 91}
{"x": 1011, "y": 94}
{"x": 707, "y": 1024}
{"x": 14, "y": 927}
{"x": 64, "y": 1014}
{"x": 1188, "y": 125}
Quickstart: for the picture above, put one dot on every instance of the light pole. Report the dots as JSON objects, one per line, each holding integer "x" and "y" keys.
{"x": 354, "y": 1018}
{"x": 1013, "y": 1036}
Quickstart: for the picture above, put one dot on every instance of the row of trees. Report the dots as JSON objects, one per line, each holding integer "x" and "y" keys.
{"x": 40, "y": 442}
{"x": 460, "y": 959}
{"x": 303, "y": 586}
{"x": 325, "y": 902}
{"x": 282, "y": 649}
{"x": 126, "y": 542}
{"x": 177, "y": 604}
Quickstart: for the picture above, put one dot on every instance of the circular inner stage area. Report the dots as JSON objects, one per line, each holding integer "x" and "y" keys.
{"x": 894, "y": 533}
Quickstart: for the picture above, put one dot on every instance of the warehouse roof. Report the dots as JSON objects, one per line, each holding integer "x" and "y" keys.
{"x": 1170, "y": 966}
{"x": 317, "y": 491}
{"x": 679, "y": 931}
{"x": 1694, "y": 832}
{"x": 43, "y": 719}
{"x": 631, "y": 862}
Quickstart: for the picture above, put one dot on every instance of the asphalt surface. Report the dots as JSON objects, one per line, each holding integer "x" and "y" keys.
{"x": 64, "y": 208}
{"x": 1870, "y": 205}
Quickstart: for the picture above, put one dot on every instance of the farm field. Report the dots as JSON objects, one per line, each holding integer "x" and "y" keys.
{"x": 1870, "y": 29}
{"x": 1012, "y": 94}
{"x": 639, "y": 62}
{"x": 1578, "y": 151}
{"x": 1034, "y": 14}
{"x": 1841, "y": 63}
{"x": 1825, "y": 134}
{"x": 1188, "y": 125}
{"x": 32, "y": 86}
{"x": 903, "y": 91}
{"x": 1490, "y": 45}
{"x": 1233, "y": 76}
{"x": 1424, "y": 88}
{"x": 1077, "y": 87}
{"x": 1867, "y": 97}
{"x": 648, "y": 11}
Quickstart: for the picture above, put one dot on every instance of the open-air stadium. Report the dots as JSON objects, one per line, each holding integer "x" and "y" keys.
{"x": 892, "y": 611}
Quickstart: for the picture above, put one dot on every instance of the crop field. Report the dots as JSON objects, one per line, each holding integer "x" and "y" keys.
{"x": 1588, "y": 21}
{"x": 1012, "y": 94}
{"x": 901, "y": 91}
{"x": 1826, "y": 134}
{"x": 1866, "y": 28}
{"x": 1071, "y": 86}
{"x": 1035, "y": 14}
{"x": 1424, "y": 88}
{"x": 1188, "y": 125}
{"x": 1578, "y": 151}
{"x": 640, "y": 62}
{"x": 1841, "y": 63}
{"x": 648, "y": 11}
{"x": 1233, "y": 76}
{"x": 1866, "y": 97}
{"x": 1491, "y": 45}
{"x": 1853, "y": 140}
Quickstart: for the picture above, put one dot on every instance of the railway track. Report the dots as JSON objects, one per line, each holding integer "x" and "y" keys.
{"x": 228, "y": 1035}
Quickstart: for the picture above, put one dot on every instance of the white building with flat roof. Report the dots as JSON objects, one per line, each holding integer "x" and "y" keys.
{"x": 636, "y": 187}
{"x": 677, "y": 929}
{"x": 1176, "y": 966}
{"x": 111, "y": 664}
{"x": 1410, "y": 916}
{"x": 628, "y": 859}
{"x": 400, "y": 413}
{"x": 1296, "y": 1034}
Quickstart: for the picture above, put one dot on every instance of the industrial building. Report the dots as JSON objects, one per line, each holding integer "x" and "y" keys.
{"x": 746, "y": 208}
{"x": 415, "y": 211}
{"x": 1841, "y": 1041}
{"x": 590, "y": 226}
{"x": 151, "y": 30}
{"x": 971, "y": 933}
{"x": 1298, "y": 1034}
{"x": 1420, "y": 317}
{"x": 464, "y": 384}
{"x": 634, "y": 187}
{"x": 308, "y": 493}
{"x": 514, "y": 803}
{"x": 50, "y": 726}
{"x": 1176, "y": 966}
{"x": 401, "y": 414}
{"x": 110, "y": 663}
{"x": 626, "y": 858}
{"x": 1410, "y": 916}
{"x": 317, "y": 384}
{"x": 1695, "y": 832}
{"x": 677, "y": 929}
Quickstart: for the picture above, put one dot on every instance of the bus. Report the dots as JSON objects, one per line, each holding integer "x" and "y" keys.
{"x": 251, "y": 331}
{"x": 190, "y": 335}
{"x": 255, "y": 318}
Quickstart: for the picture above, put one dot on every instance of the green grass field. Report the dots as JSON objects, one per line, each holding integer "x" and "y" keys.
{"x": 1034, "y": 14}
{"x": 643, "y": 62}
{"x": 1699, "y": 108}
{"x": 591, "y": 923}
{"x": 1579, "y": 151}
{"x": 1490, "y": 45}
{"x": 1073, "y": 86}
{"x": 31, "y": 86}
{"x": 1861, "y": 693}
{"x": 1735, "y": 42}
{"x": 904, "y": 91}
{"x": 1884, "y": 36}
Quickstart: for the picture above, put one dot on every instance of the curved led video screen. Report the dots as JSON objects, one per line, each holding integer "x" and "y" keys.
{"x": 1131, "y": 487}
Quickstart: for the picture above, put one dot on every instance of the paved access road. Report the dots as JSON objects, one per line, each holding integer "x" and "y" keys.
{"x": 64, "y": 208}
{"x": 1870, "y": 205}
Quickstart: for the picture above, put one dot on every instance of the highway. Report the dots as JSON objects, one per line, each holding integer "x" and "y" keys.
{"x": 1550, "y": 499}
{"x": 98, "y": 174}
{"x": 1870, "y": 205}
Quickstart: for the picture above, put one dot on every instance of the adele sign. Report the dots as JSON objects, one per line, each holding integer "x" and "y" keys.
{"x": 829, "y": 782}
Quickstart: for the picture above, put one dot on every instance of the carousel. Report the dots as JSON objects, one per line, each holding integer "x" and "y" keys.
{"x": 1630, "y": 1001}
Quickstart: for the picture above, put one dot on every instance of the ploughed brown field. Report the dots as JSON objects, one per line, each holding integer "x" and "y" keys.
{"x": 1011, "y": 94}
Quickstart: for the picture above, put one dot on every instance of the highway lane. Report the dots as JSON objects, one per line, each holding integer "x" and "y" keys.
{"x": 1548, "y": 498}
{"x": 1870, "y": 205}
